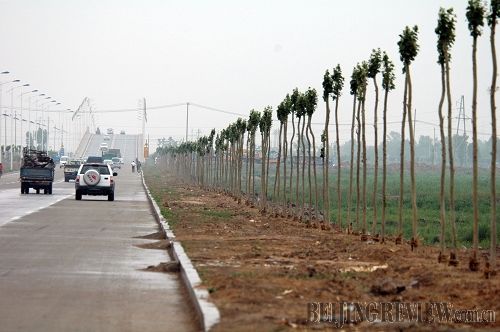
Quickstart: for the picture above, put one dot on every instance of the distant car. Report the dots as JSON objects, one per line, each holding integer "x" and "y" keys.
{"x": 121, "y": 161}
{"x": 116, "y": 163}
{"x": 94, "y": 159}
{"x": 70, "y": 170}
{"x": 106, "y": 137}
{"x": 95, "y": 179}
{"x": 110, "y": 131}
{"x": 122, "y": 132}
{"x": 104, "y": 147}
{"x": 63, "y": 161}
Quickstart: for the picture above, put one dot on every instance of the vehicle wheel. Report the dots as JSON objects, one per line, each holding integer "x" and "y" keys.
{"x": 78, "y": 195}
{"x": 37, "y": 191}
{"x": 66, "y": 180}
{"x": 26, "y": 190}
{"x": 111, "y": 197}
{"x": 50, "y": 190}
{"x": 45, "y": 191}
{"x": 22, "y": 188}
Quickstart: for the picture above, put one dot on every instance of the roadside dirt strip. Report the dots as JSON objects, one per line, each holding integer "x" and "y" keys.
{"x": 268, "y": 273}
{"x": 208, "y": 314}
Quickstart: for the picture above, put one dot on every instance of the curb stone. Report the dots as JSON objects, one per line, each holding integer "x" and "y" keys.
{"x": 207, "y": 313}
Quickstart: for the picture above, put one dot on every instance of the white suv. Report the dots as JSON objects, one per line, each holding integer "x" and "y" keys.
{"x": 96, "y": 180}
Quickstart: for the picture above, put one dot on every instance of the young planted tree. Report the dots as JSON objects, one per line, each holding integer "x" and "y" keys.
{"x": 447, "y": 38}
{"x": 408, "y": 50}
{"x": 354, "y": 93}
{"x": 374, "y": 64}
{"x": 265, "y": 131}
{"x": 241, "y": 127}
{"x": 475, "y": 15}
{"x": 301, "y": 113}
{"x": 338, "y": 84}
{"x": 327, "y": 90}
{"x": 282, "y": 114}
{"x": 493, "y": 16}
{"x": 287, "y": 110}
{"x": 293, "y": 101}
{"x": 311, "y": 101}
{"x": 442, "y": 30}
{"x": 253, "y": 124}
{"x": 362, "y": 98}
{"x": 388, "y": 78}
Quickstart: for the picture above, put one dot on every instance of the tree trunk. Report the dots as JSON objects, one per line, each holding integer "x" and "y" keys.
{"x": 363, "y": 140}
{"x": 384, "y": 165}
{"x": 303, "y": 166}
{"x": 263, "y": 174}
{"x": 442, "y": 202}
{"x": 268, "y": 152}
{"x": 309, "y": 161}
{"x": 297, "y": 207}
{"x": 277, "y": 179}
{"x": 314, "y": 168}
{"x": 285, "y": 152}
{"x": 247, "y": 174}
{"x": 339, "y": 192}
{"x": 351, "y": 163}
{"x": 450, "y": 153}
{"x": 291, "y": 156}
{"x": 358, "y": 189}
{"x": 326, "y": 165}
{"x": 493, "y": 195}
{"x": 375, "y": 170}
{"x": 475, "y": 240}
{"x": 412, "y": 162}
{"x": 253, "y": 164}
{"x": 402, "y": 167}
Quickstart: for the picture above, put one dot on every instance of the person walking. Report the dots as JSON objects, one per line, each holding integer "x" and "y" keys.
{"x": 133, "y": 166}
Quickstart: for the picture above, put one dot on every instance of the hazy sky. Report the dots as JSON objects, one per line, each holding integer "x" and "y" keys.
{"x": 231, "y": 55}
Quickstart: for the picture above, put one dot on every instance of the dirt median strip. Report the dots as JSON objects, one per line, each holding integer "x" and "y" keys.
{"x": 207, "y": 312}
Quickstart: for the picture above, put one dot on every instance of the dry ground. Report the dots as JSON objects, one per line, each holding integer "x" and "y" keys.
{"x": 262, "y": 272}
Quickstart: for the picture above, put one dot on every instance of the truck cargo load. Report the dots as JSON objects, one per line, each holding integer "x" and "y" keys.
{"x": 37, "y": 171}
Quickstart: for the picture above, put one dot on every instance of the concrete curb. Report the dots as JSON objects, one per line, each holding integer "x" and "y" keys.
{"x": 207, "y": 313}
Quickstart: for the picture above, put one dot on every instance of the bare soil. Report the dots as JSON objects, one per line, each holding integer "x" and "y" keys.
{"x": 263, "y": 271}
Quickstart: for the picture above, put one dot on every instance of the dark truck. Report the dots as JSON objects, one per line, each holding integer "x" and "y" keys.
{"x": 37, "y": 172}
{"x": 111, "y": 153}
{"x": 70, "y": 170}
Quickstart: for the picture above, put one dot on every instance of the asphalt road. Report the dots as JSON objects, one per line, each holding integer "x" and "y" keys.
{"x": 68, "y": 265}
{"x": 128, "y": 145}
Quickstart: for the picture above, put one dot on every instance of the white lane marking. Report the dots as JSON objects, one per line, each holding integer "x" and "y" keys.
{"x": 15, "y": 206}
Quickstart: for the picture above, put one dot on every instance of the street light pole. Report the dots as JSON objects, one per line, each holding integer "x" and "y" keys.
{"x": 13, "y": 133}
{"x": 21, "y": 96}
{"x": 45, "y": 138}
{"x": 30, "y": 134}
{"x": 2, "y": 114}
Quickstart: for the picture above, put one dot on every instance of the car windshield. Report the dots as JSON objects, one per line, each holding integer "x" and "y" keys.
{"x": 99, "y": 168}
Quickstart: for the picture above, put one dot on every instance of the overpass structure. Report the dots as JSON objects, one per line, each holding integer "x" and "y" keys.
{"x": 130, "y": 146}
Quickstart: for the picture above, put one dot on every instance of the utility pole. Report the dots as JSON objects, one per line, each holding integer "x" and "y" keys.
{"x": 187, "y": 120}
{"x": 144, "y": 120}
{"x": 434, "y": 148}
{"x": 463, "y": 117}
